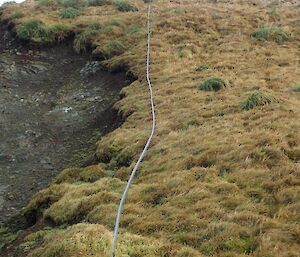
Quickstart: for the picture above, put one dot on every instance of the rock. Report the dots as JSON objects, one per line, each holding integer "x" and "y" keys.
{"x": 90, "y": 68}
{"x": 67, "y": 109}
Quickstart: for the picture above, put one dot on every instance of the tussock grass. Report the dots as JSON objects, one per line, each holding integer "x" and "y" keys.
{"x": 83, "y": 39}
{"x": 296, "y": 88}
{"x": 6, "y": 237}
{"x": 36, "y": 31}
{"x": 271, "y": 34}
{"x": 257, "y": 98}
{"x": 72, "y": 3}
{"x": 58, "y": 32}
{"x": 112, "y": 48}
{"x": 216, "y": 180}
{"x": 69, "y": 13}
{"x": 33, "y": 29}
{"x": 95, "y": 26}
{"x": 17, "y": 15}
{"x": 212, "y": 84}
{"x": 202, "y": 67}
{"x": 133, "y": 29}
{"x": 124, "y": 6}
{"x": 95, "y": 240}
{"x": 80, "y": 42}
{"x": 98, "y": 2}
{"x": 89, "y": 174}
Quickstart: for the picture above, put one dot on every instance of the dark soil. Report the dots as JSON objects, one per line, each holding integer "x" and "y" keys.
{"x": 54, "y": 106}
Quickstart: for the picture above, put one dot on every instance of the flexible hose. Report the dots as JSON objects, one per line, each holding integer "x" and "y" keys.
{"x": 124, "y": 195}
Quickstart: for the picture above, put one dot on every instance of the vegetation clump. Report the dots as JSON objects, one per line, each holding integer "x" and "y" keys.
{"x": 6, "y": 237}
{"x": 58, "y": 32}
{"x": 88, "y": 174}
{"x": 69, "y": 13}
{"x": 296, "y": 88}
{"x": 97, "y": 2}
{"x": 80, "y": 42}
{"x": 124, "y": 6}
{"x": 112, "y": 48}
{"x": 34, "y": 30}
{"x": 212, "y": 84}
{"x": 72, "y": 3}
{"x": 17, "y": 15}
{"x": 271, "y": 34}
{"x": 257, "y": 98}
{"x": 83, "y": 38}
{"x": 133, "y": 29}
{"x": 202, "y": 67}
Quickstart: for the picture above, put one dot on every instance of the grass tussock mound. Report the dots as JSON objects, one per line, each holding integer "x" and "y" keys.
{"x": 217, "y": 181}
{"x": 257, "y": 98}
{"x": 98, "y": 2}
{"x": 69, "y": 13}
{"x": 271, "y": 34}
{"x": 95, "y": 240}
{"x": 88, "y": 174}
{"x": 124, "y": 6}
{"x": 212, "y": 84}
{"x": 296, "y": 88}
{"x": 36, "y": 31}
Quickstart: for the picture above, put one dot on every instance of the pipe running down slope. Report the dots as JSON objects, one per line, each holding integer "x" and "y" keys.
{"x": 124, "y": 195}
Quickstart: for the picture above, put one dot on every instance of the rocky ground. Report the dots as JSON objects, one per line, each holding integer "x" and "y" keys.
{"x": 54, "y": 105}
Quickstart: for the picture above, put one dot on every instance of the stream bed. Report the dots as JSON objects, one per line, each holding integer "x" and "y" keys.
{"x": 54, "y": 106}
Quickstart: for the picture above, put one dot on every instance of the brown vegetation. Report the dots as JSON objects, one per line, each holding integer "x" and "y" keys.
{"x": 218, "y": 180}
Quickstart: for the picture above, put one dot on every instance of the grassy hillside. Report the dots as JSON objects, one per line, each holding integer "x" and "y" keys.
{"x": 222, "y": 177}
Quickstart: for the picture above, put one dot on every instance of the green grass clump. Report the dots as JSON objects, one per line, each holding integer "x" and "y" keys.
{"x": 17, "y": 15}
{"x": 72, "y": 3}
{"x": 69, "y": 13}
{"x": 6, "y": 237}
{"x": 133, "y": 29}
{"x": 34, "y": 30}
{"x": 181, "y": 53}
{"x": 212, "y": 84}
{"x": 82, "y": 39}
{"x": 273, "y": 13}
{"x": 202, "y": 67}
{"x": 271, "y": 34}
{"x": 45, "y": 2}
{"x": 241, "y": 245}
{"x": 88, "y": 174}
{"x": 257, "y": 98}
{"x": 80, "y": 42}
{"x": 296, "y": 88}
{"x": 124, "y": 6}
{"x": 97, "y": 2}
{"x": 95, "y": 26}
{"x": 58, "y": 32}
{"x": 112, "y": 48}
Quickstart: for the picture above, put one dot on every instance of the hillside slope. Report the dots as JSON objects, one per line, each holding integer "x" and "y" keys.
{"x": 222, "y": 177}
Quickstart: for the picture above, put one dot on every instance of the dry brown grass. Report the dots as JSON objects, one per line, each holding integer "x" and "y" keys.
{"x": 219, "y": 180}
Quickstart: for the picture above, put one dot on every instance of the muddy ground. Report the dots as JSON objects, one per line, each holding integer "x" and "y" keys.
{"x": 54, "y": 106}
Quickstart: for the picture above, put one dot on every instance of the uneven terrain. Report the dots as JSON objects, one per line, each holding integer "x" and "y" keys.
{"x": 222, "y": 177}
{"x": 53, "y": 110}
